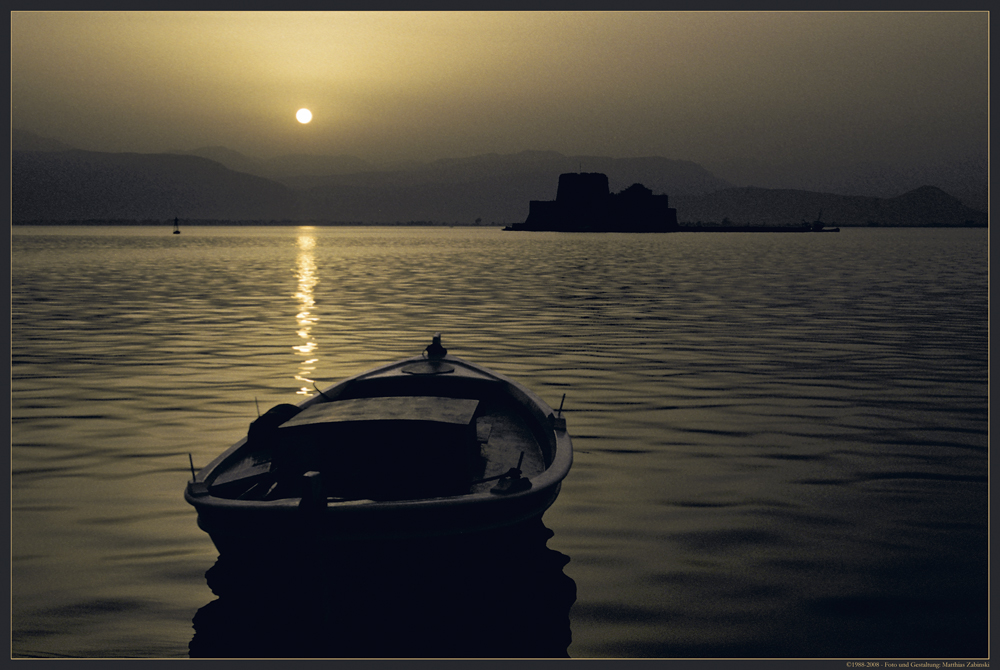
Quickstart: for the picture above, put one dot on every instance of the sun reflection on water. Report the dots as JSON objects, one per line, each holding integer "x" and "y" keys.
{"x": 306, "y": 274}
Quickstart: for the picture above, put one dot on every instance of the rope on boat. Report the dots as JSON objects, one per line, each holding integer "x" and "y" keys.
{"x": 320, "y": 392}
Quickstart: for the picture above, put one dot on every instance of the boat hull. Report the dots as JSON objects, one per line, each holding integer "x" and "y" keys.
{"x": 293, "y": 529}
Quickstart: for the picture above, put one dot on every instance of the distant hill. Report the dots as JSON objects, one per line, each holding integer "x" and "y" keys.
{"x": 52, "y": 181}
{"x": 285, "y": 167}
{"x": 308, "y": 171}
{"x": 493, "y": 187}
{"x": 233, "y": 160}
{"x": 80, "y": 185}
{"x": 967, "y": 178}
{"x": 75, "y": 185}
{"x": 22, "y": 140}
{"x": 303, "y": 165}
{"x": 924, "y": 206}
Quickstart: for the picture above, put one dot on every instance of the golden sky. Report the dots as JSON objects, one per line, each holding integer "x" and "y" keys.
{"x": 710, "y": 87}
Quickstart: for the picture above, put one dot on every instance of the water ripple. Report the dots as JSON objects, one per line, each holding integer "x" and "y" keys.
{"x": 767, "y": 428}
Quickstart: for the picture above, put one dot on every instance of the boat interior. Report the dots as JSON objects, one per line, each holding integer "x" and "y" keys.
{"x": 396, "y": 436}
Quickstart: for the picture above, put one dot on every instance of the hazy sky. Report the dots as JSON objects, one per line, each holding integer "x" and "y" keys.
{"x": 712, "y": 87}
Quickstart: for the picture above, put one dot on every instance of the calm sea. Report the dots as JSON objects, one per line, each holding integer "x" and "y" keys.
{"x": 781, "y": 441}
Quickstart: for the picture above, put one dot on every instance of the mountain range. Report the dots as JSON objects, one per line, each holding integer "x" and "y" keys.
{"x": 51, "y": 181}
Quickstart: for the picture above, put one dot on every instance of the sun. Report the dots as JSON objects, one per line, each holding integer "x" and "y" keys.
{"x": 304, "y": 115}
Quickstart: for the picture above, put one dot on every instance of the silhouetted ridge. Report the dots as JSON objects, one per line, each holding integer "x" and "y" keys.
{"x": 926, "y": 195}
{"x": 924, "y": 206}
{"x": 80, "y": 185}
{"x": 22, "y": 140}
{"x": 53, "y": 182}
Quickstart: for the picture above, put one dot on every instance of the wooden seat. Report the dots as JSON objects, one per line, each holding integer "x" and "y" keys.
{"x": 394, "y": 447}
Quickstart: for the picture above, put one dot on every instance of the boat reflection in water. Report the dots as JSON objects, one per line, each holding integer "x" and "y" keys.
{"x": 496, "y": 594}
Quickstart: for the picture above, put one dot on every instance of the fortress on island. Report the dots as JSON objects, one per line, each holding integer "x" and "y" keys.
{"x": 584, "y": 203}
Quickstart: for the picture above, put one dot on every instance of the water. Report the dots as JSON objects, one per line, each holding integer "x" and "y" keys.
{"x": 781, "y": 441}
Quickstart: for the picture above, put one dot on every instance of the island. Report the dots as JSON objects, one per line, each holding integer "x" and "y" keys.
{"x": 584, "y": 203}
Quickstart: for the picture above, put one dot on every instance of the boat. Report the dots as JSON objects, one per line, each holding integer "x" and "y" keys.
{"x": 818, "y": 226}
{"x": 431, "y": 445}
{"x": 177, "y": 228}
